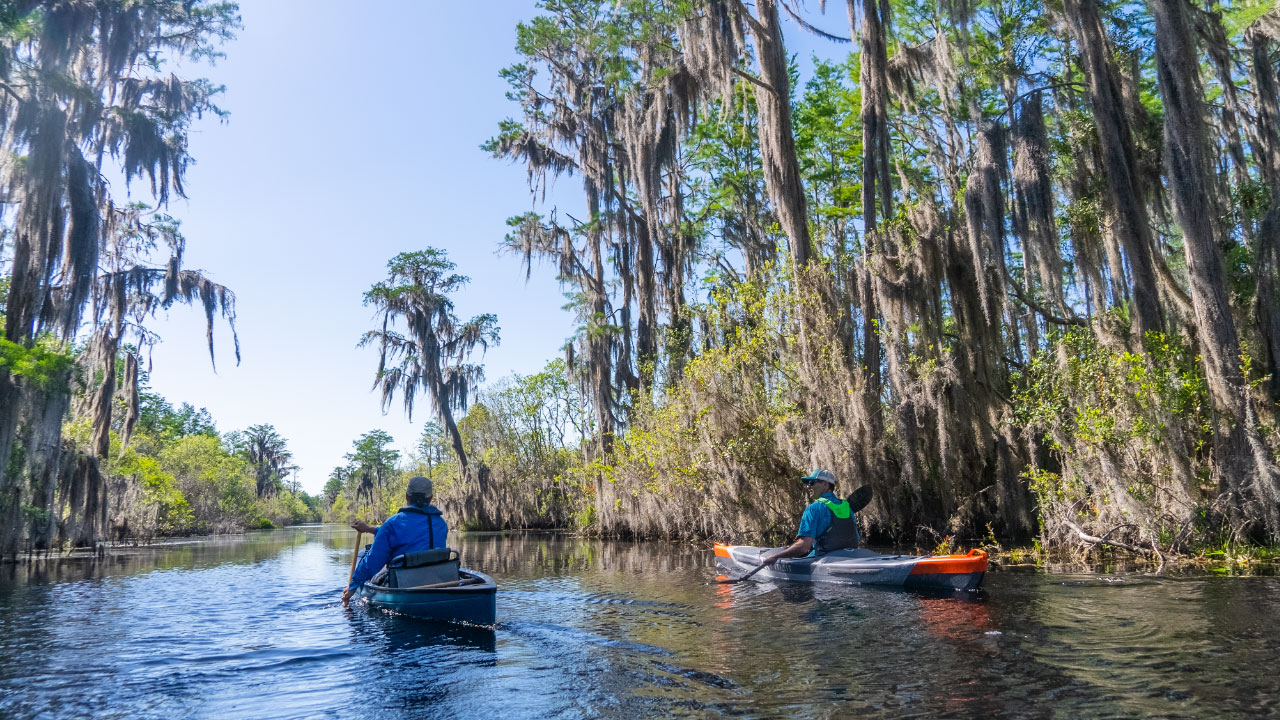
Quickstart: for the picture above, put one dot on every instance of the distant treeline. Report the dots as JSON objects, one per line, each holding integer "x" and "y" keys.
{"x": 1013, "y": 264}
{"x": 180, "y": 476}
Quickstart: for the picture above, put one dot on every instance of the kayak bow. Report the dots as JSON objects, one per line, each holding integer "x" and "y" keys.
{"x": 863, "y": 567}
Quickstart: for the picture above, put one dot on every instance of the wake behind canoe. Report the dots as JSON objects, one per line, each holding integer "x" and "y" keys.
{"x": 861, "y": 566}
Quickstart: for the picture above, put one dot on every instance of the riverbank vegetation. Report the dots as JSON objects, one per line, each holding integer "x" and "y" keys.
{"x": 89, "y": 93}
{"x": 1012, "y": 264}
{"x": 179, "y": 476}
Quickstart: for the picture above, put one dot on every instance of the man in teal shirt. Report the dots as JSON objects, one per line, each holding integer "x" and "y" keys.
{"x": 827, "y": 523}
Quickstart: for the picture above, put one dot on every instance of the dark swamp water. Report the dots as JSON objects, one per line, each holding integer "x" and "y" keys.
{"x": 247, "y": 627}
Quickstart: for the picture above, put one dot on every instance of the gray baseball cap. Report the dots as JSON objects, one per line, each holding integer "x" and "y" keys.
{"x": 420, "y": 485}
{"x": 819, "y": 474}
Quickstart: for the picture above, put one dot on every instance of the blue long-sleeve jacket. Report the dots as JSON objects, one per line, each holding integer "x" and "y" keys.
{"x": 410, "y": 530}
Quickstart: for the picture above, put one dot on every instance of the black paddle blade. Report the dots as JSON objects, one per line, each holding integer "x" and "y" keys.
{"x": 721, "y": 579}
{"x": 859, "y": 499}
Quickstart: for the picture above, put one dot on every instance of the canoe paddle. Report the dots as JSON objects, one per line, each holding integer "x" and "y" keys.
{"x": 354, "y": 558}
{"x": 858, "y": 500}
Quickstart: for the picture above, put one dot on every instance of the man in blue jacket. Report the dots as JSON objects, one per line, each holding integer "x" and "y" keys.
{"x": 827, "y": 524}
{"x": 418, "y": 526}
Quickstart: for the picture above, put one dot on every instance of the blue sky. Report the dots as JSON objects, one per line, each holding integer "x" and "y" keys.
{"x": 354, "y": 135}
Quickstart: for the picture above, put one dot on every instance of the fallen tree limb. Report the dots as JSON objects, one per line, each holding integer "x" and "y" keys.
{"x": 1094, "y": 540}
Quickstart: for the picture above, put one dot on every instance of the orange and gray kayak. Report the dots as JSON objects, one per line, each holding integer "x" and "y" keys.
{"x": 861, "y": 566}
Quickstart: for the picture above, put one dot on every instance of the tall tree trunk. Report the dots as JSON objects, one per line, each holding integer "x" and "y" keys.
{"x": 598, "y": 342}
{"x": 777, "y": 141}
{"x": 1241, "y": 470}
{"x": 1125, "y": 199}
{"x": 1267, "y": 241}
{"x": 875, "y": 173}
{"x": 43, "y": 444}
{"x": 1033, "y": 193}
{"x": 646, "y": 299}
{"x": 455, "y": 438}
{"x": 674, "y": 259}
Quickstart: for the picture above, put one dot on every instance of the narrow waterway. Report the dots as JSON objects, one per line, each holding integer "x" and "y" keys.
{"x": 249, "y": 627}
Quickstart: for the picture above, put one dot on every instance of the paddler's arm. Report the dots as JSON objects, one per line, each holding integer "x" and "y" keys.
{"x": 364, "y": 527}
{"x": 799, "y": 548}
{"x": 378, "y": 555}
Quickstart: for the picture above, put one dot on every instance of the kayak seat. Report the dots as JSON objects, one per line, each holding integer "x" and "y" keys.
{"x": 424, "y": 567}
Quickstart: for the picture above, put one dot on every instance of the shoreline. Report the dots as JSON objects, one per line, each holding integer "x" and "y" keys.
{"x": 1237, "y": 562}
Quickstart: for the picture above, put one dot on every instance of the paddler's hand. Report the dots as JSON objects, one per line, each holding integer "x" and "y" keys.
{"x": 346, "y": 597}
{"x": 768, "y": 560}
{"x": 364, "y": 527}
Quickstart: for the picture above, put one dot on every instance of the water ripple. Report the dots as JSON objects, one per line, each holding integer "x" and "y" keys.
{"x": 251, "y": 628}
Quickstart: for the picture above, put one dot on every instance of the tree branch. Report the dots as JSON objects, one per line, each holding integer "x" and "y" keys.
{"x": 756, "y": 25}
{"x": 811, "y": 28}
{"x": 5, "y": 86}
{"x": 1171, "y": 285}
{"x": 1093, "y": 540}
{"x": 753, "y": 80}
{"x": 1051, "y": 86}
{"x": 1044, "y": 312}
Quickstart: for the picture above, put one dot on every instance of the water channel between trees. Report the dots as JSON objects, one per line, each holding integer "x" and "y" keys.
{"x": 248, "y": 626}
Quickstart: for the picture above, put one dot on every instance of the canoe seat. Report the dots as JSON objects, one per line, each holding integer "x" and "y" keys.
{"x": 424, "y": 567}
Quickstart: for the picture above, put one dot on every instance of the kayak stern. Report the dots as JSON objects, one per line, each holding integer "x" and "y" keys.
{"x": 949, "y": 572}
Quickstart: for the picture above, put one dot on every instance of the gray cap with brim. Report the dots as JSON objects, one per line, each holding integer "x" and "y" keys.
{"x": 819, "y": 474}
{"x": 420, "y": 486}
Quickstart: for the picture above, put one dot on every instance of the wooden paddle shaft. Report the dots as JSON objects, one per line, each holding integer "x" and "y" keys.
{"x": 354, "y": 557}
{"x": 449, "y": 583}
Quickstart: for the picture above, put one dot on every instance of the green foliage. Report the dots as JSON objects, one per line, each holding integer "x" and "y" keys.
{"x": 45, "y": 366}
{"x": 162, "y": 508}
{"x": 829, "y": 146}
{"x": 267, "y": 452}
{"x": 1118, "y": 422}
{"x": 332, "y": 489}
{"x": 1114, "y": 397}
{"x": 1238, "y": 15}
{"x": 157, "y": 416}
{"x": 933, "y": 335}
{"x": 180, "y": 477}
{"x": 218, "y": 485}
{"x": 371, "y": 485}
{"x": 37, "y": 515}
{"x": 373, "y": 451}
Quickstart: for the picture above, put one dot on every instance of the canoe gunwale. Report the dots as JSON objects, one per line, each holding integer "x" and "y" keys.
{"x": 487, "y": 587}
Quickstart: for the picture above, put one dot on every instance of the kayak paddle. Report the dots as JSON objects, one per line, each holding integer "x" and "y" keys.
{"x": 857, "y": 500}
{"x": 730, "y": 581}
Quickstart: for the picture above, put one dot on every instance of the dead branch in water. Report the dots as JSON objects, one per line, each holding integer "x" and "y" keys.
{"x": 1094, "y": 540}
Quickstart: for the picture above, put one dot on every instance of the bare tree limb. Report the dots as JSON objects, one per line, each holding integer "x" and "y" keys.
{"x": 1044, "y": 312}
{"x": 756, "y": 25}
{"x": 753, "y": 80}
{"x": 1094, "y": 540}
{"x": 810, "y": 27}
